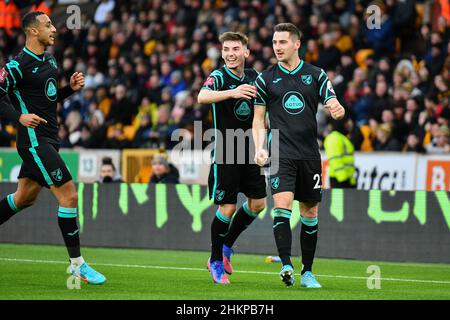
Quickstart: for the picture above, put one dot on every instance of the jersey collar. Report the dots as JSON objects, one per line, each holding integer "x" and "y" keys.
{"x": 300, "y": 65}
{"x": 231, "y": 74}
{"x": 34, "y": 55}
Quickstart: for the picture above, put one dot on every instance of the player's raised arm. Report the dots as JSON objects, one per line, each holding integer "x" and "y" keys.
{"x": 76, "y": 84}
{"x": 209, "y": 95}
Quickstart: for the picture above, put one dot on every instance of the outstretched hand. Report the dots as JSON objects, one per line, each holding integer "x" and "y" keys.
{"x": 30, "y": 120}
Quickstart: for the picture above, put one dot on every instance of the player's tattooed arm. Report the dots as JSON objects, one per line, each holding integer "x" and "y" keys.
{"x": 337, "y": 111}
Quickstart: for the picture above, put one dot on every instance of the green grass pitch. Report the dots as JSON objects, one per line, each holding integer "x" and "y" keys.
{"x": 39, "y": 272}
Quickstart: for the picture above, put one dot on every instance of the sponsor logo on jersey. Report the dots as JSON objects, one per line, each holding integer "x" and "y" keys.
{"x": 51, "y": 89}
{"x": 242, "y": 110}
{"x": 293, "y": 103}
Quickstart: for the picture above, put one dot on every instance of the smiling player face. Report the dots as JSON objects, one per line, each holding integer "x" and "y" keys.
{"x": 285, "y": 46}
{"x": 234, "y": 54}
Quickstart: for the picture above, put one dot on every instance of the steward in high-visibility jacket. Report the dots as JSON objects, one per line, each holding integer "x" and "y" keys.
{"x": 340, "y": 154}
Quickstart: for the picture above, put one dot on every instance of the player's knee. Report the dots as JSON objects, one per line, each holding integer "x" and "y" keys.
{"x": 310, "y": 212}
{"x": 257, "y": 207}
{"x": 71, "y": 200}
{"x": 227, "y": 210}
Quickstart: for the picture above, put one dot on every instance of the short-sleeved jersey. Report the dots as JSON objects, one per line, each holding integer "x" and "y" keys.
{"x": 30, "y": 81}
{"x": 232, "y": 113}
{"x": 292, "y": 99}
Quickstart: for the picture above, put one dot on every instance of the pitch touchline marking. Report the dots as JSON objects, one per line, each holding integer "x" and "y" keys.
{"x": 201, "y": 269}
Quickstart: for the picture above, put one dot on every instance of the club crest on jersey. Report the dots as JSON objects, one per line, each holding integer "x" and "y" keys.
{"x": 52, "y": 61}
{"x": 275, "y": 183}
{"x": 220, "y": 194}
{"x": 209, "y": 82}
{"x": 242, "y": 110}
{"x": 3, "y": 75}
{"x": 293, "y": 103}
{"x": 307, "y": 79}
{"x": 50, "y": 89}
{"x": 57, "y": 174}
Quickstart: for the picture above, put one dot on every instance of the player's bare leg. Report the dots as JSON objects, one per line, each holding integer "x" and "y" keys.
{"x": 244, "y": 216}
{"x": 67, "y": 197}
{"x": 283, "y": 234}
{"x": 25, "y": 195}
{"x": 308, "y": 241}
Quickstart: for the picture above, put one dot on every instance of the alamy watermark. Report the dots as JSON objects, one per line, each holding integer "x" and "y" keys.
{"x": 373, "y": 13}
{"x": 73, "y": 282}
{"x": 73, "y": 22}
{"x": 374, "y": 280}
{"x": 236, "y": 146}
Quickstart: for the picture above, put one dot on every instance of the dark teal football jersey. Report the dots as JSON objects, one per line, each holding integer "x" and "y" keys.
{"x": 291, "y": 99}
{"x": 231, "y": 114}
{"x": 30, "y": 81}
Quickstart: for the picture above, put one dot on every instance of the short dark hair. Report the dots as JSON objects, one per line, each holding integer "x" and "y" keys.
{"x": 288, "y": 27}
{"x": 29, "y": 19}
{"x": 233, "y": 36}
{"x": 107, "y": 161}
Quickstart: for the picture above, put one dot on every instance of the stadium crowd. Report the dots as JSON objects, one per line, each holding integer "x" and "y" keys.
{"x": 145, "y": 61}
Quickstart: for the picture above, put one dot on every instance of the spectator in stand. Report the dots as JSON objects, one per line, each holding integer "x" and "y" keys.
{"x": 163, "y": 171}
{"x": 108, "y": 172}
{"x": 413, "y": 144}
{"x": 384, "y": 140}
{"x": 97, "y": 131}
{"x": 380, "y": 101}
{"x": 381, "y": 39}
{"x": 440, "y": 144}
{"x": 177, "y": 83}
{"x": 122, "y": 110}
{"x": 117, "y": 139}
{"x": 160, "y": 49}
{"x": 329, "y": 55}
{"x": 142, "y": 138}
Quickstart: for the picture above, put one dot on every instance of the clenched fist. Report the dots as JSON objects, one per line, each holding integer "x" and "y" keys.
{"x": 261, "y": 157}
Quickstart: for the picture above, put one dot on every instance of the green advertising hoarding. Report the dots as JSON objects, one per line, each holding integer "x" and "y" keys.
{"x": 10, "y": 163}
{"x": 353, "y": 224}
